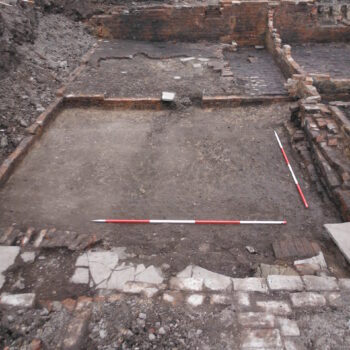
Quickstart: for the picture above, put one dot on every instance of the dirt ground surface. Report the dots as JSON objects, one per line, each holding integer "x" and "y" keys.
{"x": 332, "y": 58}
{"x": 140, "y": 69}
{"x": 256, "y": 70}
{"x": 193, "y": 163}
{"x": 35, "y": 62}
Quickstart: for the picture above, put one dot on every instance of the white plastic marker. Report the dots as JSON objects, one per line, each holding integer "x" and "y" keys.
{"x": 196, "y": 222}
{"x": 291, "y": 170}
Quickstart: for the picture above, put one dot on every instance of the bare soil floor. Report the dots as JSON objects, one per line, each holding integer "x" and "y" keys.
{"x": 256, "y": 71}
{"x": 193, "y": 163}
{"x": 139, "y": 69}
{"x": 332, "y": 58}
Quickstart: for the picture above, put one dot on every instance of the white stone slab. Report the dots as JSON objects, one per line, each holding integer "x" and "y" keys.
{"x": 340, "y": 234}
{"x": 168, "y": 96}
{"x": 250, "y": 284}
{"x": 119, "y": 278}
{"x": 81, "y": 276}
{"x": 28, "y": 257}
{"x": 150, "y": 275}
{"x": 20, "y": 300}
{"x": 290, "y": 283}
{"x": 82, "y": 260}
{"x": 195, "y": 299}
{"x": 212, "y": 280}
{"x": 186, "y": 272}
{"x": 8, "y": 256}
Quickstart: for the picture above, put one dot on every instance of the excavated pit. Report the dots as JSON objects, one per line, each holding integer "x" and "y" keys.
{"x": 192, "y": 163}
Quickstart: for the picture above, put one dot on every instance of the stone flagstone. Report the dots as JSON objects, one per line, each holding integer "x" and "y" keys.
{"x": 8, "y": 256}
{"x": 150, "y": 275}
{"x": 340, "y": 234}
{"x": 212, "y": 280}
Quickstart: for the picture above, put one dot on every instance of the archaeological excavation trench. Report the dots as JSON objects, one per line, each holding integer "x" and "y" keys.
{"x": 100, "y": 142}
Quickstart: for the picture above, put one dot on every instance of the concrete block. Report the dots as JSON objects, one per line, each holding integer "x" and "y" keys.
{"x": 289, "y": 283}
{"x": 250, "y": 284}
{"x": 315, "y": 283}
{"x": 340, "y": 234}
{"x": 275, "y": 307}
{"x": 307, "y": 299}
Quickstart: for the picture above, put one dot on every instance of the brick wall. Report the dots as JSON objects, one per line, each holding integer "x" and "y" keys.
{"x": 244, "y": 22}
{"x": 302, "y": 22}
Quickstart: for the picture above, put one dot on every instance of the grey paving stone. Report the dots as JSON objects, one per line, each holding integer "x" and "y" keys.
{"x": 250, "y": 284}
{"x": 275, "y": 307}
{"x": 307, "y": 299}
{"x": 289, "y": 283}
{"x": 212, "y": 280}
{"x": 340, "y": 234}
{"x": 18, "y": 300}
{"x": 101, "y": 265}
{"x": 82, "y": 261}
{"x": 119, "y": 277}
{"x": 261, "y": 339}
{"x": 8, "y": 256}
{"x": 288, "y": 327}
{"x": 256, "y": 320}
{"x": 150, "y": 275}
{"x": 315, "y": 283}
{"x": 81, "y": 276}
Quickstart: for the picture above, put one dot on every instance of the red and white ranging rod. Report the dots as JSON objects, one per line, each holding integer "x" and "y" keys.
{"x": 291, "y": 171}
{"x": 196, "y": 222}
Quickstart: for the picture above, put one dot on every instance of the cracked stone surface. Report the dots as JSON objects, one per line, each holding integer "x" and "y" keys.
{"x": 108, "y": 273}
